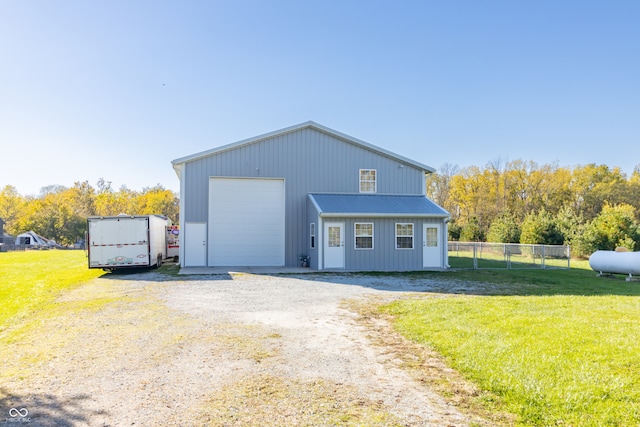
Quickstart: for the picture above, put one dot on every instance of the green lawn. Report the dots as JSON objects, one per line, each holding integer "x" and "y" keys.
{"x": 32, "y": 279}
{"x": 554, "y": 347}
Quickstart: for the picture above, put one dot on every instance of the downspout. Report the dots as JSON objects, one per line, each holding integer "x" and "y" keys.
{"x": 319, "y": 237}
{"x": 179, "y": 168}
{"x": 445, "y": 246}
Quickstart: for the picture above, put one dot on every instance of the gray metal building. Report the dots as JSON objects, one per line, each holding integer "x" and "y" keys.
{"x": 310, "y": 194}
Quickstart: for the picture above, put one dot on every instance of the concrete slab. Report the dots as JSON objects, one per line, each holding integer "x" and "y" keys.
{"x": 246, "y": 270}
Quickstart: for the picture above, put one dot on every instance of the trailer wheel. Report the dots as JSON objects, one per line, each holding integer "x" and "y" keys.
{"x": 159, "y": 261}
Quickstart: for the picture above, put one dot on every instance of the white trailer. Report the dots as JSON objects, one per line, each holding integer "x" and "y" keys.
{"x": 126, "y": 241}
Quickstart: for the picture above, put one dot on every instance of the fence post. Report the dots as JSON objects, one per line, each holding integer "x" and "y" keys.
{"x": 475, "y": 255}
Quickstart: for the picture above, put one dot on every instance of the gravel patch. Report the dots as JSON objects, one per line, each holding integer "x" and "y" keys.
{"x": 238, "y": 349}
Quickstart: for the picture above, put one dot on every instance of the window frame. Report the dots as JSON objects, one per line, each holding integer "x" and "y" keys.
{"x": 368, "y": 182}
{"x": 431, "y": 243}
{"x": 356, "y": 236}
{"x": 412, "y": 236}
{"x": 312, "y": 235}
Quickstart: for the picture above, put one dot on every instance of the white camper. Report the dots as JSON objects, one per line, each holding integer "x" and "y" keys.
{"x": 32, "y": 239}
{"x": 126, "y": 241}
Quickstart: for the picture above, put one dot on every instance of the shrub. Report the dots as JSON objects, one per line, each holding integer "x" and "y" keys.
{"x": 504, "y": 229}
{"x": 541, "y": 228}
{"x": 615, "y": 226}
{"x": 472, "y": 232}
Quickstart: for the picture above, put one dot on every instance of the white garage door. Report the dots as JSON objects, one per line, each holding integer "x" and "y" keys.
{"x": 246, "y": 222}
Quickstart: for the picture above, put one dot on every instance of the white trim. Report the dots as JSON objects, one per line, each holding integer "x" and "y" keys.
{"x": 380, "y": 215}
{"x": 433, "y": 253}
{"x": 368, "y": 181}
{"x": 335, "y": 253}
{"x": 320, "y": 244}
{"x": 189, "y": 241}
{"x": 312, "y": 235}
{"x": 242, "y": 209}
{"x": 182, "y": 211}
{"x": 355, "y": 236}
{"x": 413, "y": 237}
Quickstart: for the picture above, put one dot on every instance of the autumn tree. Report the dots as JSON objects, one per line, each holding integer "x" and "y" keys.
{"x": 533, "y": 196}
{"x": 439, "y": 186}
{"x": 53, "y": 217}
{"x": 109, "y": 202}
{"x": 158, "y": 200}
{"x": 616, "y": 226}
{"x": 593, "y": 186}
{"x": 11, "y": 206}
{"x": 60, "y": 213}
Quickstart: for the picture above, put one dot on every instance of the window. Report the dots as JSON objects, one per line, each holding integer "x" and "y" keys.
{"x": 334, "y": 240}
{"x": 404, "y": 235}
{"x": 367, "y": 180}
{"x": 432, "y": 237}
{"x": 312, "y": 235}
{"x": 364, "y": 235}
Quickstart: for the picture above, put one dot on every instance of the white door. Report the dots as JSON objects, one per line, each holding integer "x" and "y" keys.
{"x": 333, "y": 245}
{"x": 195, "y": 244}
{"x": 246, "y": 222}
{"x": 431, "y": 247}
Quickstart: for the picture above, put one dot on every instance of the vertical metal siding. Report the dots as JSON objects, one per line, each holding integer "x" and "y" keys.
{"x": 385, "y": 256}
{"x": 309, "y": 161}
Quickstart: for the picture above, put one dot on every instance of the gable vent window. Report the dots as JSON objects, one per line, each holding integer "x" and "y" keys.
{"x": 367, "y": 180}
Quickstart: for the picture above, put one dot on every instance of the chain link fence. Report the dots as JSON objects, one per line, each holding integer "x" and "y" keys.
{"x": 482, "y": 255}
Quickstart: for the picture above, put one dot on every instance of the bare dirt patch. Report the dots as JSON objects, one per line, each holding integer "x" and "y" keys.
{"x": 148, "y": 349}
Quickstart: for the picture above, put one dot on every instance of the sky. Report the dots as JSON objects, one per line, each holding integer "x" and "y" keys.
{"x": 118, "y": 89}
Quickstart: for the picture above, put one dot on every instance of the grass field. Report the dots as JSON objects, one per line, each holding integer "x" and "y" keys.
{"x": 31, "y": 280}
{"x": 553, "y": 347}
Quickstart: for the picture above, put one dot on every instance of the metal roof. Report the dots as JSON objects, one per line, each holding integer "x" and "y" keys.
{"x": 312, "y": 125}
{"x": 376, "y": 205}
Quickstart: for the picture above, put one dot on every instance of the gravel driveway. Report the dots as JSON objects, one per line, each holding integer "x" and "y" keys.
{"x": 150, "y": 349}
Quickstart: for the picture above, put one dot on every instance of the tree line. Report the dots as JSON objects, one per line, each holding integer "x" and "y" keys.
{"x": 60, "y": 213}
{"x": 587, "y": 207}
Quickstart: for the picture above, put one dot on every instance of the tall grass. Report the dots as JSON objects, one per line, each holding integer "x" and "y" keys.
{"x": 557, "y": 347}
{"x": 31, "y": 279}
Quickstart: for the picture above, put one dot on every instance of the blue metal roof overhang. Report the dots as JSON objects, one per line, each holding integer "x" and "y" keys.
{"x": 376, "y": 205}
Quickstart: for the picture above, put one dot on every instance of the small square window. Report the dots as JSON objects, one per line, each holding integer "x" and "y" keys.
{"x": 368, "y": 181}
{"x": 363, "y": 235}
{"x": 404, "y": 235}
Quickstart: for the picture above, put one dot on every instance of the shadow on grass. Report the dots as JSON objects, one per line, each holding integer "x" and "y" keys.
{"x": 43, "y": 410}
{"x": 547, "y": 282}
